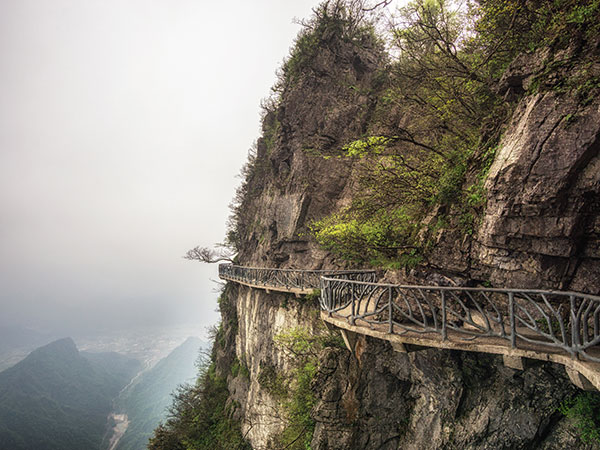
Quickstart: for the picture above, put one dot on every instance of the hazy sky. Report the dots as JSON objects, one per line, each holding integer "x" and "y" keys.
{"x": 123, "y": 124}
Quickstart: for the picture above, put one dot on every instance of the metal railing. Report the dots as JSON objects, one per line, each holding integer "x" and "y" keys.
{"x": 288, "y": 279}
{"x": 568, "y": 321}
{"x": 557, "y": 320}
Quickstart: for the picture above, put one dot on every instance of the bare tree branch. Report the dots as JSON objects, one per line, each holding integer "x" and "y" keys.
{"x": 209, "y": 255}
{"x": 382, "y": 4}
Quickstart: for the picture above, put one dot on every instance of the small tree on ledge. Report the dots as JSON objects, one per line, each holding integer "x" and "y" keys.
{"x": 209, "y": 255}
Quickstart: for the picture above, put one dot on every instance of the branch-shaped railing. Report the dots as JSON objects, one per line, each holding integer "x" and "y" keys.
{"x": 568, "y": 321}
{"x": 556, "y": 320}
{"x": 287, "y": 279}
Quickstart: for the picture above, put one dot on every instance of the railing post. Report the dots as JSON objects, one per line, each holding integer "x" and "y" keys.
{"x": 321, "y": 297}
{"x": 513, "y": 322}
{"x": 352, "y": 320}
{"x": 390, "y": 310}
{"x": 575, "y": 336}
{"x": 444, "y": 330}
{"x": 329, "y": 297}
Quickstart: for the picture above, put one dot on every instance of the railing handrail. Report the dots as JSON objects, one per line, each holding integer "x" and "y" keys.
{"x": 469, "y": 288}
{"x": 413, "y": 286}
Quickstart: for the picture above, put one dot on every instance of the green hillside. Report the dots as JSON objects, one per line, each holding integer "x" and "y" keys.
{"x": 59, "y": 399}
{"x": 147, "y": 401}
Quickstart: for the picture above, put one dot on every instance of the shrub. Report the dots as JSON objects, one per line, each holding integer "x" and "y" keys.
{"x": 294, "y": 391}
{"x": 584, "y": 410}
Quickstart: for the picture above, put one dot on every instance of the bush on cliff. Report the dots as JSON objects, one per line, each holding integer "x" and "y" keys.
{"x": 584, "y": 410}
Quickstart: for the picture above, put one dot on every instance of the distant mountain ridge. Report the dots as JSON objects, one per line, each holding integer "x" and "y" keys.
{"x": 58, "y": 398}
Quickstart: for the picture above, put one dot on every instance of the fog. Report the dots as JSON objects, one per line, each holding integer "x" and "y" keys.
{"x": 123, "y": 124}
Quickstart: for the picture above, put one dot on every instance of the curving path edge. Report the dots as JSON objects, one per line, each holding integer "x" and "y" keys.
{"x": 519, "y": 324}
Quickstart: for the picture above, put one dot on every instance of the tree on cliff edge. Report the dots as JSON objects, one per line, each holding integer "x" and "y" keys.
{"x": 209, "y": 255}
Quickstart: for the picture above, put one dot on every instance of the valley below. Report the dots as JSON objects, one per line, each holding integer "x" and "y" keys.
{"x": 121, "y": 422}
{"x": 105, "y": 392}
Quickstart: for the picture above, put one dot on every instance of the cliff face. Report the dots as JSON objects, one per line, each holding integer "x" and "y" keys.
{"x": 541, "y": 228}
{"x": 436, "y": 399}
{"x": 291, "y": 185}
{"x": 542, "y": 223}
{"x": 261, "y": 318}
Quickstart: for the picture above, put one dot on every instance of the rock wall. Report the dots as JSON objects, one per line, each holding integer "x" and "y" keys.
{"x": 541, "y": 228}
{"x": 322, "y": 110}
{"x": 542, "y": 222}
{"x": 434, "y": 399}
{"x": 262, "y": 317}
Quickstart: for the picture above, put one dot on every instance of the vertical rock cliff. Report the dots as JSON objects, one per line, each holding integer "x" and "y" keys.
{"x": 540, "y": 228}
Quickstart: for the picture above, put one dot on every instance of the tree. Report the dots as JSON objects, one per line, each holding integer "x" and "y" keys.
{"x": 209, "y": 255}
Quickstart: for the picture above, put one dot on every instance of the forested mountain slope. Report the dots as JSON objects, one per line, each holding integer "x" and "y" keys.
{"x": 59, "y": 399}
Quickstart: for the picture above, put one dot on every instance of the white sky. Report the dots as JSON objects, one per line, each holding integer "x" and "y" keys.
{"x": 123, "y": 124}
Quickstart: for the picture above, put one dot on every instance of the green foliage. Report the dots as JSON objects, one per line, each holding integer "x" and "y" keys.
{"x": 272, "y": 381}
{"x": 472, "y": 202}
{"x": 513, "y": 27}
{"x": 300, "y": 342}
{"x": 552, "y": 326}
{"x": 240, "y": 368}
{"x": 433, "y": 161}
{"x": 584, "y": 410}
{"x": 314, "y": 296}
{"x": 293, "y": 390}
{"x": 299, "y": 431}
{"x": 379, "y": 236}
{"x": 559, "y": 20}
{"x": 449, "y": 187}
{"x": 370, "y": 145}
{"x": 271, "y": 129}
{"x": 200, "y": 417}
{"x": 432, "y": 138}
{"x": 228, "y": 312}
{"x": 384, "y": 226}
